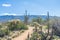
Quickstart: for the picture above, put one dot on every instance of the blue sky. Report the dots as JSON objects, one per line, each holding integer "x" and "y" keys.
{"x": 34, "y": 7}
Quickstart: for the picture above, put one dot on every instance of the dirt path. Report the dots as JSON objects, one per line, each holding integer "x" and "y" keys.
{"x": 24, "y": 35}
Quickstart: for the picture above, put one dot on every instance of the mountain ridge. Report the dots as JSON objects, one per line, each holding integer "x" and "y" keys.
{"x": 5, "y": 18}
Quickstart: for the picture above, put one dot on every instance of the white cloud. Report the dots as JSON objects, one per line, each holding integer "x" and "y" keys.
{"x": 6, "y": 5}
{"x": 14, "y": 14}
{"x": 43, "y": 14}
{"x": 8, "y": 14}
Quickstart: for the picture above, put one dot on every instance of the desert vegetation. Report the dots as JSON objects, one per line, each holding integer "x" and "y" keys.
{"x": 47, "y": 29}
{"x": 12, "y": 29}
{"x": 43, "y": 29}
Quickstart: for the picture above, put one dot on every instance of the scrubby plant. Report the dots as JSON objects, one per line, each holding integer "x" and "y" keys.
{"x": 38, "y": 20}
{"x": 3, "y": 32}
{"x": 17, "y": 25}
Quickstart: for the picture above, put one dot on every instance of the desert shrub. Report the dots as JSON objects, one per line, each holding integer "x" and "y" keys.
{"x": 3, "y": 32}
{"x": 24, "y": 27}
{"x": 56, "y": 37}
{"x": 38, "y": 20}
{"x": 0, "y": 26}
{"x": 35, "y": 36}
{"x": 22, "y": 31}
{"x": 17, "y": 26}
{"x": 45, "y": 27}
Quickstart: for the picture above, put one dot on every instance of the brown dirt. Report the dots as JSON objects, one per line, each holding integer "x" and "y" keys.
{"x": 24, "y": 35}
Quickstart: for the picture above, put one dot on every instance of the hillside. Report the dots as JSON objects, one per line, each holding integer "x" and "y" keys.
{"x": 5, "y": 18}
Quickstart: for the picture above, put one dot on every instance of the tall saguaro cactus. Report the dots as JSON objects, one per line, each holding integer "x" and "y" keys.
{"x": 48, "y": 21}
{"x": 45, "y": 37}
{"x": 26, "y": 17}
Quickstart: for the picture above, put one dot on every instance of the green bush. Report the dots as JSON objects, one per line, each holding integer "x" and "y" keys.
{"x": 22, "y": 26}
{"x": 3, "y": 32}
{"x": 17, "y": 26}
{"x": 0, "y": 26}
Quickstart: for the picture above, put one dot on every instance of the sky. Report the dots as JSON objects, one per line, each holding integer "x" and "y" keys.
{"x": 33, "y": 7}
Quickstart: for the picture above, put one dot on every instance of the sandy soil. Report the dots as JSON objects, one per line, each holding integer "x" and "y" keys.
{"x": 24, "y": 35}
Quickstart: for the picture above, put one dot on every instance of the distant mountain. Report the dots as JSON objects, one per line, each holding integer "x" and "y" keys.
{"x": 5, "y": 18}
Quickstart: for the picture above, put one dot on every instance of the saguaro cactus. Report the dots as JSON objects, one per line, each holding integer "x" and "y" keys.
{"x": 26, "y": 17}
{"x": 45, "y": 37}
{"x": 48, "y": 21}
